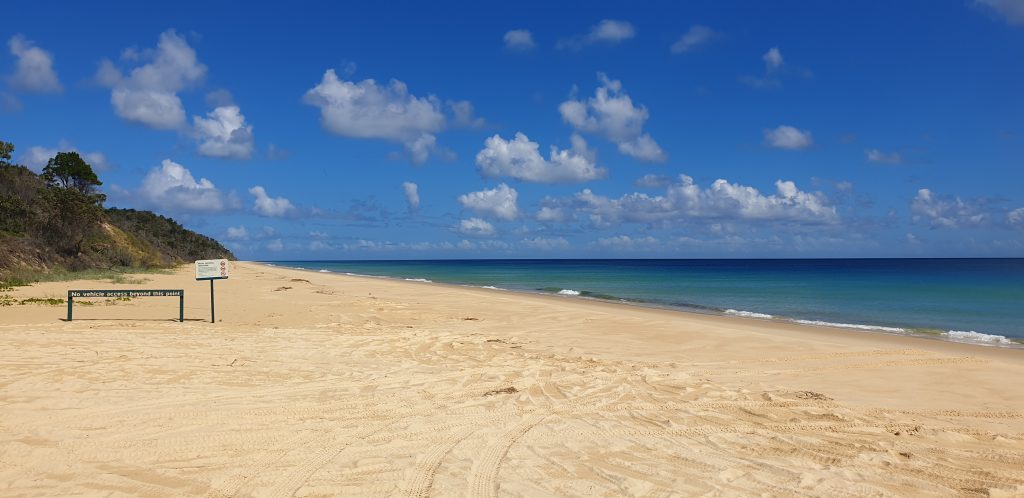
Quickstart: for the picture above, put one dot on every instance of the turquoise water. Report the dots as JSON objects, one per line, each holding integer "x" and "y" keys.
{"x": 968, "y": 300}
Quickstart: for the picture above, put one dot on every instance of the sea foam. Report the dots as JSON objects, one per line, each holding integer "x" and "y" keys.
{"x": 417, "y": 280}
{"x": 857, "y": 326}
{"x": 747, "y": 314}
{"x": 324, "y": 271}
{"x": 569, "y": 292}
{"x": 976, "y": 337}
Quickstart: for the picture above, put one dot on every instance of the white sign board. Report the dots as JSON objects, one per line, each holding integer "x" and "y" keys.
{"x": 208, "y": 269}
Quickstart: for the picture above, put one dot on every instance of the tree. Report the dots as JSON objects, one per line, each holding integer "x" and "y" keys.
{"x": 68, "y": 170}
{"x": 6, "y": 148}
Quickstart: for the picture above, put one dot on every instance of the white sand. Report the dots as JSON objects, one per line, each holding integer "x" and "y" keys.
{"x": 335, "y": 385}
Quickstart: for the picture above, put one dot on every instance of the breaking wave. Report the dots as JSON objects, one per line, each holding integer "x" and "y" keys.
{"x": 857, "y": 326}
{"x": 747, "y": 314}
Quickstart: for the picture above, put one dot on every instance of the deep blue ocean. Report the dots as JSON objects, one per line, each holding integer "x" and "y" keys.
{"x": 967, "y": 300}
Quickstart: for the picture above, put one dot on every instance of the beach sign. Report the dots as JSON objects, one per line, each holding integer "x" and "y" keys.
{"x": 129, "y": 294}
{"x": 211, "y": 269}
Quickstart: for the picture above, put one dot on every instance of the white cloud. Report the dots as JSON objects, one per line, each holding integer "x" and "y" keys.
{"x": 34, "y": 71}
{"x": 463, "y": 114}
{"x": 412, "y": 196}
{"x": 519, "y": 40}
{"x": 275, "y": 245}
{"x": 947, "y": 212}
{"x": 224, "y": 133}
{"x": 171, "y": 186}
{"x": 773, "y": 62}
{"x": 685, "y": 201}
{"x": 237, "y": 233}
{"x": 369, "y": 110}
{"x": 608, "y": 31}
{"x": 265, "y": 205}
{"x": 108, "y": 74}
{"x": 627, "y": 243}
{"x": 1012, "y": 10}
{"x": 545, "y": 243}
{"x": 548, "y": 214}
{"x": 37, "y": 157}
{"x": 149, "y": 94}
{"x": 1016, "y": 217}
{"x": 219, "y": 98}
{"x": 611, "y": 113}
{"x": 877, "y": 156}
{"x": 499, "y": 202}
{"x": 520, "y": 159}
{"x": 476, "y": 227}
{"x": 652, "y": 181}
{"x": 696, "y": 36}
{"x": 772, "y": 59}
{"x": 788, "y": 137}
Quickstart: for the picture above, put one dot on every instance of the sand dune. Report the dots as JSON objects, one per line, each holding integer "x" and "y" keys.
{"x": 319, "y": 385}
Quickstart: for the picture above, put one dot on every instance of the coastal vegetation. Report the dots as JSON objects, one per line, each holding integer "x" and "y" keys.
{"x": 54, "y": 226}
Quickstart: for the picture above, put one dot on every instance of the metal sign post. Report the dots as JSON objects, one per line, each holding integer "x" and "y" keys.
{"x": 211, "y": 269}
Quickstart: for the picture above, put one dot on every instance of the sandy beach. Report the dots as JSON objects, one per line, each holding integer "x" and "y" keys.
{"x": 314, "y": 384}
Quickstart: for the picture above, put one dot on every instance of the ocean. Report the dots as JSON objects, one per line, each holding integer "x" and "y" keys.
{"x": 966, "y": 300}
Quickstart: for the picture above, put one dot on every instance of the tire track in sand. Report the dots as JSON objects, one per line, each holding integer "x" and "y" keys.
{"x": 483, "y": 480}
{"x": 426, "y": 468}
{"x": 301, "y": 473}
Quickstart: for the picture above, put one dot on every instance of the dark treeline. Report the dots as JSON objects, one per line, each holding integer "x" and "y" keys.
{"x": 56, "y": 220}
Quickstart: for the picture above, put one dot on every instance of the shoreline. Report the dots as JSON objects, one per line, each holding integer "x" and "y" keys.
{"x": 909, "y": 332}
{"x": 310, "y": 384}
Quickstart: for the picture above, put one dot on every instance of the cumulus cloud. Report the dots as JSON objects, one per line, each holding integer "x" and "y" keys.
{"x": 773, "y": 63}
{"x": 788, "y": 137}
{"x": 1012, "y": 10}
{"x": 943, "y": 211}
{"x": 772, "y": 59}
{"x": 37, "y": 157}
{"x": 519, "y": 40}
{"x": 224, "y": 133}
{"x": 684, "y": 200}
{"x": 547, "y": 214}
{"x": 265, "y": 205}
{"x": 696, "y": 36}
{"x": 463, "y": 114}
{"x": 275, "y": 245}
{"x": 149, "y": 93}
{"x": 237, "y": 233}
{"x": 1016, "y": 217}
{"x": 520, "y": 158}
{"x": 412, "y": 196}
{"x": 219, "y": 98}
{"x": 172, "y": 187}
{"x": 877, "y": 156}
{"x": 545, "y": 243}
{"x": 611, "y": 113}
{"x": 627, "y": 243}
{"x": 608, "y": 32}
{"x": 387, "y": 112}
{"x": 499, "y": 202}
{"x": 476, "y": 227}
{"x": 34, "y": 67}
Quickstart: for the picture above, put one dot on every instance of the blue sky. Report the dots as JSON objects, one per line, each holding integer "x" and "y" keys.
{"x": 469, "y": 130}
